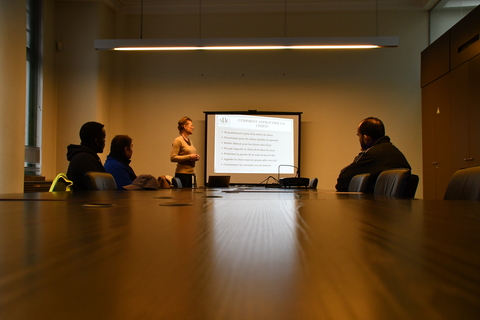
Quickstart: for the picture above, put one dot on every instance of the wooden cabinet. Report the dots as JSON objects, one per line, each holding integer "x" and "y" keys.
{"x": 435, "y": 60}
{"x": 451, "y": 126}
{"x": 465, "y": 114}
{"x": 465, "y": 39}
{"x": 459, "y": 116}
{"x": 451, "y": 105}
{"x": 436, "y": 128}
{"x": 474, "y": 111}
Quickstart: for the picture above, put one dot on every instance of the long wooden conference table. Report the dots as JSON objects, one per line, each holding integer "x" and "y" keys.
{"x": 238, "y": 253}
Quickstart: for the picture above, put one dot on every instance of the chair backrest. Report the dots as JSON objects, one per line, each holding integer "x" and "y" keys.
{"x": 411, "y": 187}
{"x": 177, "y": 183}
{"x": 61, "y": 183}
{"x": 464, "y": 185}
{"x": 392, "y": 182}
{"x": 313, "y": 183}
{"x": 359, "y": 183}
{"x": 101, "y": 181}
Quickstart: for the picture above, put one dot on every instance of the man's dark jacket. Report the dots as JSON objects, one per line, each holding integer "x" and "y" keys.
{"x": 381, "y": 156}
{"x": 82, "y": 160}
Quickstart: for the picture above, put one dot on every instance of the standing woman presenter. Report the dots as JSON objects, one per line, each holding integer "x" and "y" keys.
{"x": 184, "y": 153}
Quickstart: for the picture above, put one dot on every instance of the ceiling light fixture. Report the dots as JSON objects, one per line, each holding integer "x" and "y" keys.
{"x": 246, "y": 43}
{"x": 285, "y": 43}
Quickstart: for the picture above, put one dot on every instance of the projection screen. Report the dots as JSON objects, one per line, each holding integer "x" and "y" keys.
{"x": 252, "y": 147}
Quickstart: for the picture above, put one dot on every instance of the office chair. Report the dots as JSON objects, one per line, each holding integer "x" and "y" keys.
{"x": 101, "y": 181}
{"x": 464, "y": 185}
{"x": 359, "y": 183}
{"x": 177, "y": 183}
{"x": 61, "y": 183}
{"x": 392, "y": 182}
{"x": 411, "y": 187}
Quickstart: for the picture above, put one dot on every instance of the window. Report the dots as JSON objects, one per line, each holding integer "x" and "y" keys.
{"x": 33, "y": 98}
{"x": 447, "y": 13}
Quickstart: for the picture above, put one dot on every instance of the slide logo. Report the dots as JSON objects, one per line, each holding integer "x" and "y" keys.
{"x": 224, "y": 120}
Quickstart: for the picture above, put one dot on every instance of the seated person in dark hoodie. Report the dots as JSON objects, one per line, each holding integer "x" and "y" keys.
{"x": 83, "y": 158}
{"x": 118, "y": 161}
{"x": 377, "y": 154}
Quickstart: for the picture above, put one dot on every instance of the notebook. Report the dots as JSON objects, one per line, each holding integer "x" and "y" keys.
{"x": 218, "y": 181}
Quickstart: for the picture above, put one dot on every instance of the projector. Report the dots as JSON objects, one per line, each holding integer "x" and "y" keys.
{"x": 294, "y": 182}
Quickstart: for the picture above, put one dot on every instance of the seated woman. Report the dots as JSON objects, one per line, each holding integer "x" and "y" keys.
{"x": 118, "y": 161}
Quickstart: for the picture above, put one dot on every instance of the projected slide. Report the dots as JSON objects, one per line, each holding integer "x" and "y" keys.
{"x": 253, "y": 144}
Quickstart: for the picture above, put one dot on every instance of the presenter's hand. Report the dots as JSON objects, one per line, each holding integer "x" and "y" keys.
{"x": 195, "y": 157}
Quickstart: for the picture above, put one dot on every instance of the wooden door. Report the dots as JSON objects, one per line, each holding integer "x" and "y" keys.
{"x": 474, "y": 111}
{"x": 437, "y": 169}
{"x": 459, "y": 116}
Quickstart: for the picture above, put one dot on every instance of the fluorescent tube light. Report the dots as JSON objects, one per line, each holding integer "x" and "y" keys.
{"x": 246, "y": 43}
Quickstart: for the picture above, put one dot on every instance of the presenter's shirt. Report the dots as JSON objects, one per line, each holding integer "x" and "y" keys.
{"x": 181, "y": 151}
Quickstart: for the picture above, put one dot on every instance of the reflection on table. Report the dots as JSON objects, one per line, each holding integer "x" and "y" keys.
{"x": 237, "y": 254}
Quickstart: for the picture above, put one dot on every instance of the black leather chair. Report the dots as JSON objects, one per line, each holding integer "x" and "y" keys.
{"x": 359, "y": 183}
{"x": 411, "y": 187}
{"x": 177, "y": 183}
{"x": 101, "y": 181}
{"x": 464, "y": 185}
{"x": 392, "y": 182}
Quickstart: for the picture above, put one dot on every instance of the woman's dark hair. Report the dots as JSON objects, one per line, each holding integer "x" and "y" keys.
{"x": 119, "y": 143}
{"x": 90, "y": 131}
{"x": 182, "y": 122}
{"x": 372, "y": 127}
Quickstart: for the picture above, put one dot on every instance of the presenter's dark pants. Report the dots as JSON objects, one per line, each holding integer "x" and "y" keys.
{"x": 186, "y": 179}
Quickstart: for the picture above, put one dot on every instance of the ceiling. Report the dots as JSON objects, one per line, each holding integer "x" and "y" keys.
{"x": 266, "y": 6}
{"x": 274, "y": 6}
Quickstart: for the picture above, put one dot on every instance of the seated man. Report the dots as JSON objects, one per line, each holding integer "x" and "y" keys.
{"x": 118, "y": 161}
{"x": 83, "y": 158}
{"x": 378, "y": 154}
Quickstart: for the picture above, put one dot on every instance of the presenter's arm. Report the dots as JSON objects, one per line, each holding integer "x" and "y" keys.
{"x": 174, "y": 155}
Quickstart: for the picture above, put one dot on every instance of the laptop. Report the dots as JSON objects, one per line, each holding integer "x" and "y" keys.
{"x": 218, "y": 182}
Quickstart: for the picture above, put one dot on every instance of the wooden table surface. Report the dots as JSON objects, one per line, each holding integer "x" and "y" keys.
{"x": 242, "y": 254}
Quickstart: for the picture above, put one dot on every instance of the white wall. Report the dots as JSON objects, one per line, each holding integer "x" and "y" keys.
{"x": 12, "y": 94}
{"x": 83, "y": 74}
{"x": 442, "y": 19}
{"x": 149, "y": 91}
{"x": 334, "y": 89}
